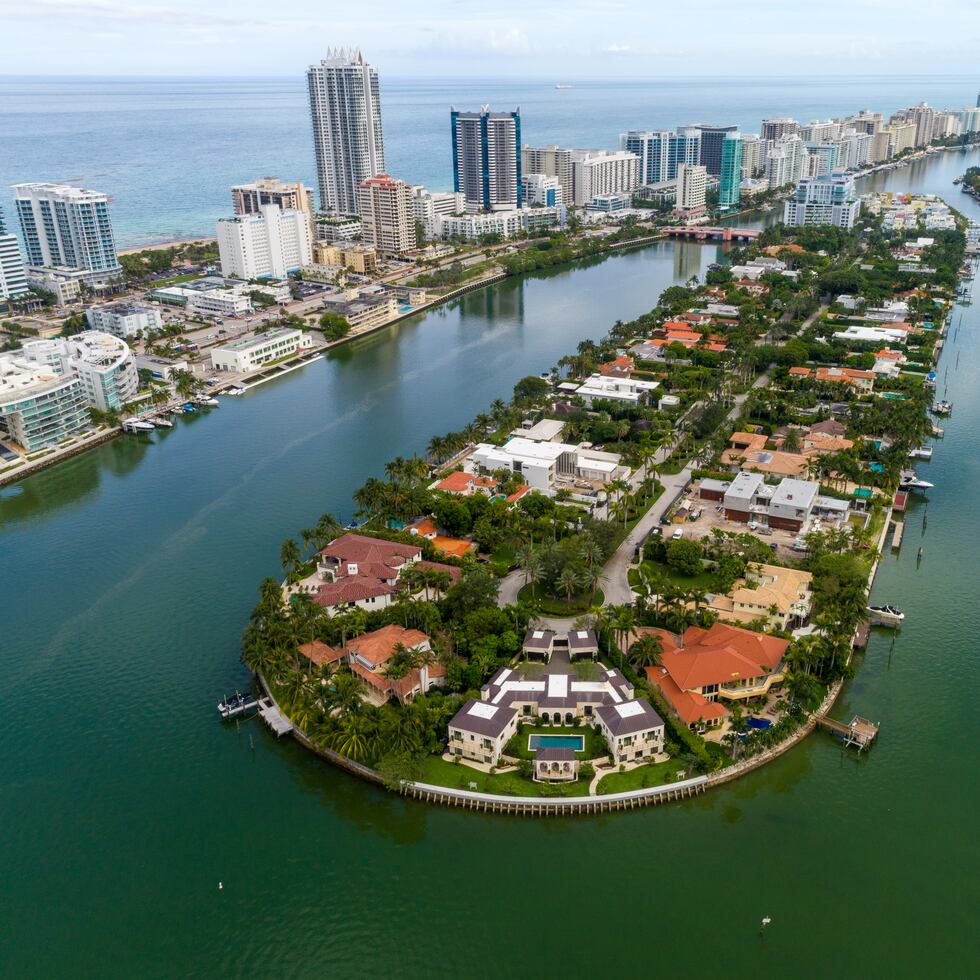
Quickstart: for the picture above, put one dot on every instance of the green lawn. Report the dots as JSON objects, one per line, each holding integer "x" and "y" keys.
{"x": 553, "y": 606}
{"x": 503, "y": 559}
{"x": 643, "y": 777}
{"x": 704, "y": 582}
{"x": 173, "y": 280}
{"x": 458, "y": 776}
{"x": 595, "y": 744}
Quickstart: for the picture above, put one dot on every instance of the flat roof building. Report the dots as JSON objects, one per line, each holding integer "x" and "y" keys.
{"x": 250, "y": 353}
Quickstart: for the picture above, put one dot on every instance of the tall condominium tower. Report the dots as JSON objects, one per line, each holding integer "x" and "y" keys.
{"x": 661, "y": 152}
{"x": 776, "y": 127}
{"x": 387, "y": 214}
{"x": 550, "y": 161}
{"x": 13, "y": 279}
{"x": 345, "y": 106}
{"x": 487, "y": 158}
{"x": 66, "y": 226}
{"x": 712, "y": 138}
{"x": 730, "y": 171}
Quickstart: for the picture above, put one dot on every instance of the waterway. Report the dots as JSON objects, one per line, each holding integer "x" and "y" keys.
{"x": 128, "y": 573}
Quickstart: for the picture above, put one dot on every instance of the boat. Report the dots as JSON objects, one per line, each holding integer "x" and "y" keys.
{"x": 189, "y": 407}
{"x": 921, "y": 452}
{"x": 236, "y": 704}
{"x": 938, "y": 431}
{"x": 207, "y": 400}
{"x": 563, "y": 86}
{"x": 941, "y": 408}
{"x": 885, "y": 616}
{"x": 163, "y": 423}
{"x": 909, "y": 481}
{"x": 235, "y": 391}
{"x": 137, "y": 425}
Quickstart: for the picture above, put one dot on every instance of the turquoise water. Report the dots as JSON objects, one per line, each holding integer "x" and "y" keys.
{"x": 576, "y": 742}
{"x": 169, "y": 149}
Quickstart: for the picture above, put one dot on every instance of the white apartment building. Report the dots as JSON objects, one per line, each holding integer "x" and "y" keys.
{"x": 348, "y": 141}
{"x": 472, "y": 227}
{"x": 271, "y": 242}
{"x": 103, "y": 364}
{"x": 13, "y": 278}
{"x": 552, "y": 161}
{"x": 67, "y": 226}
{"x": 597, "y": 173}
{"x": 387, "y": 214}
{"x": 38, "y": 406}
{"x": 541, "y": 190}
{"x": 124, "y": 319}
{"x": 946, "y": 124}
{"x": 786, "y": 161}
{"x": 337, "y": 229}
{"x": 853, "y": 149}
{"x": 753, "y": 155}
{"x": 249, "y": 353}
{"x": 430, "y": 206}
{"x": 827, "y": 200}
{"x": 692, "y": 187}
{"x": 922, "y": 117}
{"x": 820, "y": 131}
{"x": 207, "y": 297}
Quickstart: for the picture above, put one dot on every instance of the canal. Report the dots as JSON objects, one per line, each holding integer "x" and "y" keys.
{"x": 127, "y": 575}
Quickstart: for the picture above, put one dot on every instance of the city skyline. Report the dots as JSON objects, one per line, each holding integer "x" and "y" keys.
{"x": 865, "y": 37}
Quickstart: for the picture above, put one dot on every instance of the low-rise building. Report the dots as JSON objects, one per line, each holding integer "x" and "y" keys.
{"x": 160, "y": 368}
{"x": 543, "y": 464}
{"x": 598, "y": 387}
{"x": 371, "y": 657}
{"x": 124, "y": 319}
{"x": 780, "y": 597}
{"x": 790, "y": 505}
{"x": 337, "y": 227}
{"x": 862, "y": 380}
{"x": 358, "y": 258}
{"x": 249, "y": 353}
{"x": 480, "y": 731}
{"x": 633, "y": 730}
{"x": 363, "y": 311}
{"x": 209, "y": 296}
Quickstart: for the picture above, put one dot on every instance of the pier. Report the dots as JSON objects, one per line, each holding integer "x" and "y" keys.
{"x": 860, "y": 732}
{"x": 897, "y": 538}
{"x": 270, "y": 713}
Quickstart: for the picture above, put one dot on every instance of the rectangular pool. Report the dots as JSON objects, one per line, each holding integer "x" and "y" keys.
{"x": 576, "y": 742}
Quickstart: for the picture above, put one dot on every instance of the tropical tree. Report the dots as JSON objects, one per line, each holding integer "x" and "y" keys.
{"x": 289, "y": 555}
{"x": 646, "y": 652}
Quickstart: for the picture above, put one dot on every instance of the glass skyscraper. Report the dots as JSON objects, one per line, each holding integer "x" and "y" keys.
{"x": 730, "y": 176}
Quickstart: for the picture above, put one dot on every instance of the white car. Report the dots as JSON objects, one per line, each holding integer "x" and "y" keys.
{"x": 677, "y": 535}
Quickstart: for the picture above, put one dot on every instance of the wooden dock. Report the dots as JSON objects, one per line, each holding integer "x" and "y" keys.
{"x": 897, "y": 537}
{"x": 901, "y": 501}
{"x": 860, "y": 732}
{"x": 269, "y": 712}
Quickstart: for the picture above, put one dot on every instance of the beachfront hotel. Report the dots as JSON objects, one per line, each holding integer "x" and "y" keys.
{"x": 269, "y": 243}
{"x": 345, "y": 107}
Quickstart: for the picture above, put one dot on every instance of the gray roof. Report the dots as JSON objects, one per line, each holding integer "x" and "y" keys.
{"x": 582, "y": 639}
{"x": 538, "y": 639}
{"x": 555, "y": 755}
{"x": 489, "y": 720}
{"x": 629, "y": 718}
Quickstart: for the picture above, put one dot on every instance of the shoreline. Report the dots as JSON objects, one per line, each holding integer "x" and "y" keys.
{"x": 160, "y": 246}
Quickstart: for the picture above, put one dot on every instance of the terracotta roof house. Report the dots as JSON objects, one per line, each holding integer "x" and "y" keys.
{"x": 862, "y": 380}
{"x": 620, "y": 367}
{"x": 371, "y": 653}
{"x": 829, "y": 427}
{"x": 426, "y": 528}
{"x": 722, "y": 662}
{"x": 466, "y": 484}
{"x": 359, "y": 571}
{"x": 320, "y": 653}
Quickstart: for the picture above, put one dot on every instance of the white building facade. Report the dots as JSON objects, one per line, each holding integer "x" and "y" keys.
{"x": 249, "y": 353}
{"x": 270, "y": 243}
{"x": 124, "y": 319}
{"x": 348, "y": 140}
{"x": 597, "y": 173}
{"x": 829, "y": 200}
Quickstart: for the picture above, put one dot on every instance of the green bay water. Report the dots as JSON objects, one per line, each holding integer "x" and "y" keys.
{"x": 126, "y": 577}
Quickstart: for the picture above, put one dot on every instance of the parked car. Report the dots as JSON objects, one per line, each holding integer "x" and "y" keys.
{"x": 677, "y": 535}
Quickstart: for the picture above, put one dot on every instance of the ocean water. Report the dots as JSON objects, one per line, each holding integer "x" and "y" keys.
{"x": 169, "y": 149}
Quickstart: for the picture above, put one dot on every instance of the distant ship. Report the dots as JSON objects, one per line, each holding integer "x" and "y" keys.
{"x": 563, "y": 86}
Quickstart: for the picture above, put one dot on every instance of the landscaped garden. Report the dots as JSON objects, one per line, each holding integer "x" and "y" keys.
{"x": 642, "y": 777}
{"x": 457, "y": 775}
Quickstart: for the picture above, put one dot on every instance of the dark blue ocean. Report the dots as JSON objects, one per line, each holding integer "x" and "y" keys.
{"x": 168, "y": 149}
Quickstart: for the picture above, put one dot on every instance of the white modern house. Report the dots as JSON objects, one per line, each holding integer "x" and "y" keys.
{"x": 599, "y": 387}
{"x": 543, "y": 464}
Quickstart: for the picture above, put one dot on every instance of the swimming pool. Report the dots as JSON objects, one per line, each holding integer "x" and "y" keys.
{"x": 760, "y": 723}
{"x": 576, "y": 742}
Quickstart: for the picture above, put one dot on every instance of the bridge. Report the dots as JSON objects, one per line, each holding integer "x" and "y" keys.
{"x": 705, "y": 233}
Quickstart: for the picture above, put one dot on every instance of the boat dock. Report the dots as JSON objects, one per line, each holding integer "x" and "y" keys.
{"x": 237, "y": 704}
{"x": 897, "y": 537}
{"x": 269, "y": 712}
{"x": 275, "y": 371}
{"x": 901, "y": 501}
{"x": 860, "y": 732}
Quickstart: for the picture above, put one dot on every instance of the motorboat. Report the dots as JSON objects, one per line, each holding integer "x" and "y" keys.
{"x": 921, "y": 452}
{"x": 938, "y": 431}
{"x": 235, "y": 391}
{"x": 163, "y": 423}
{"x": 208, "y": 400}
{"x": 885, "y": 616}
{"x": 137, "y": 425}
{"x": 942, "y": 408}
{"x": 909, "y": 481}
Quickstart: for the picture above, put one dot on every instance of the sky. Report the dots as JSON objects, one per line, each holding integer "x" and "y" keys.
{"x": 506, "y": 38}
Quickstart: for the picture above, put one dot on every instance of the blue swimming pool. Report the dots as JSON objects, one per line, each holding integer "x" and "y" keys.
{"x": 576, "y": 742}
{"x": 761, "y": 723}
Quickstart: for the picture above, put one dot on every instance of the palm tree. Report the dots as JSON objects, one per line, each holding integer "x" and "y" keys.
{"x": 354, "y": 737}
{"x": 532, "y": 565}
{"x": 289, "y": 555}
{"x": 568, "y": 581}
{"x": 646, "y": 652}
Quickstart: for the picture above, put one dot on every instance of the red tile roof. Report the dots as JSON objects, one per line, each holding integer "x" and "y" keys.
{"x": 690, "y": 706}
{"x": 378, "y": 646}
{"x": 351, "y": 589}
{"x": 320, "y": 653}
{"x": 360, "y": 548}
